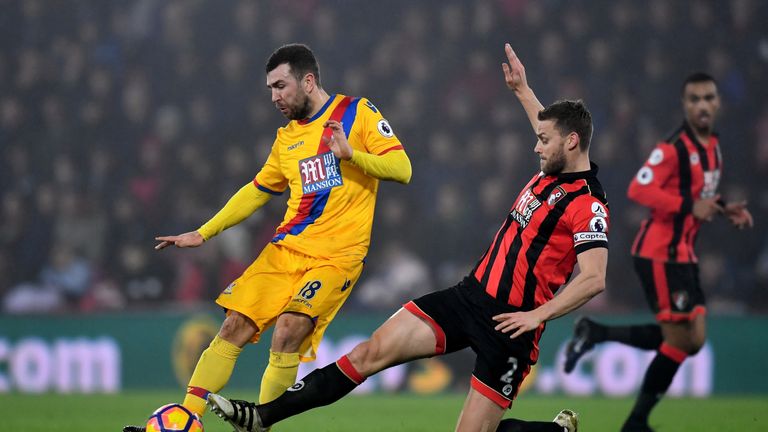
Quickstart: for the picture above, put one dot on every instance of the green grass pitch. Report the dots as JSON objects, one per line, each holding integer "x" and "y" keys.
{"x": 383, "y": 413}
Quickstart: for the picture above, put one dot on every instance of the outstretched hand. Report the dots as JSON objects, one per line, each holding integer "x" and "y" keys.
{"x": 514, "y": 71}
{"x": 190, "y": 239}
{"x": 517, "y": 322}
{"x": 738, "y": 214}
{"x": 337, "y": 142}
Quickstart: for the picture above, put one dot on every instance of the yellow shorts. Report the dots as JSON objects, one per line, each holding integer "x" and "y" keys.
{"x": 282, "y": 280}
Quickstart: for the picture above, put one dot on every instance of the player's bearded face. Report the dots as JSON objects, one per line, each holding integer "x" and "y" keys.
{"x": 288, "y": 95}
{"x": 299, "y": 108}
{"x": 550, "y": 148}
{"x": 555, "y": 162}
{"x": 701, "y": 103}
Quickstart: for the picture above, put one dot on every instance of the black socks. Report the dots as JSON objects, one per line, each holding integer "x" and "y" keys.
{"x": 321, "y": 387}
{"x": 657, "y": 380}
{"x": 647, "y": 336}
{"x": 515, "y": 425}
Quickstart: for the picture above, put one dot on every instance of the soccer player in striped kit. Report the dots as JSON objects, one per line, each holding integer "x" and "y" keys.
{"x": 678, "y": 183}
{"x": 330, "y": 157}
{"x": 500, "y": 309}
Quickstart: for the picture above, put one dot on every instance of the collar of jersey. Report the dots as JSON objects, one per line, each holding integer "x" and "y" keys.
{"x": 689, "y": 131}
{"x": 579, "y": 174}
{"x": 319, "y": 113}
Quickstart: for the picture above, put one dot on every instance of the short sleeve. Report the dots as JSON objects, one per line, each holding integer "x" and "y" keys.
{"x": 588, "y": 221}
{"x": 376, "y": 133}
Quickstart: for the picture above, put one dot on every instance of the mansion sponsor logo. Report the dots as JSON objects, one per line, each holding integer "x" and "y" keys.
{"x": 526, "y": 205}
{"x": 320, "y": 172}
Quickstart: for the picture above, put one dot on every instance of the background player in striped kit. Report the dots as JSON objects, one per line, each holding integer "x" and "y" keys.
{"x": 679, "y": 184}
{"x": 500, "y": 309}
{"x": 331, "y": 156}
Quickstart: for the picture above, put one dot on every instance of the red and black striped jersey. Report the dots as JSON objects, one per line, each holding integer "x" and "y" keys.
{"x": 533, "y": 254}
{"x": 679, "y": 171}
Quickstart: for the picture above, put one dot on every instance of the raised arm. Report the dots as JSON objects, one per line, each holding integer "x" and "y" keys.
{"x": 514, "y": 75}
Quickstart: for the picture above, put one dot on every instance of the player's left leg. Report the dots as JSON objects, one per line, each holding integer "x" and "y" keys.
{"x": 290, "y": 331}
{"x": 681, "y": 339}
{"x": 316, "y": 298}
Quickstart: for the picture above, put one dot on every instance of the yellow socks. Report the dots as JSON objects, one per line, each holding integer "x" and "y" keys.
{"x": 278, "y": 376}
{"x": 211, "y": 373}
{"x": 215, "y": 367}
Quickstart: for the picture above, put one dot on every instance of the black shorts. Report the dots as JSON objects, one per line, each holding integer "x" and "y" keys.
{"x": 462, "y": 317}
{"x": 672, "y": 289}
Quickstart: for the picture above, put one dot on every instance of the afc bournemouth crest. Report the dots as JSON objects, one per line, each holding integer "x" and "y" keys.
{"x": 556, "y": 196}
{"x": 680, "y": 299}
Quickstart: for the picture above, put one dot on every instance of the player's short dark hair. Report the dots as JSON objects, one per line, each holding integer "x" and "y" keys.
{"x": 299, "y": 57}
{"x": 697, "y": 77}
{"x": 570, "y": 116}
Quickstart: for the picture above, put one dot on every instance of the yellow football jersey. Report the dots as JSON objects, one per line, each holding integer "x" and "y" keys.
{"x": 331, "y": 203}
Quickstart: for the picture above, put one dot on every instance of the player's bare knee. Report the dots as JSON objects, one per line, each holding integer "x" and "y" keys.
{"x": 290, "y": 332}
{"x": 237, "y": 329}
{"x": 358, "y": 355}
{"x": 365, "y": 357}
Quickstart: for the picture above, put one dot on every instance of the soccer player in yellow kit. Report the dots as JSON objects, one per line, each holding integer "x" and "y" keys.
{"x": 331, "y": 156}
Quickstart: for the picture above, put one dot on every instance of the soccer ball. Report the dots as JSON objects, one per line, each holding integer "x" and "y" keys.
{"x": 173, "y": 418}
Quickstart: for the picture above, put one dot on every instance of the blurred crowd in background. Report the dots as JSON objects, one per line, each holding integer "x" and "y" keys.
{"x": 121, "y": 121}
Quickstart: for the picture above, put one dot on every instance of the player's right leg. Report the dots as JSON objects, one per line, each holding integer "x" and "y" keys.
{"x": 216, "y": 363}
{"x": 402, "y": 338}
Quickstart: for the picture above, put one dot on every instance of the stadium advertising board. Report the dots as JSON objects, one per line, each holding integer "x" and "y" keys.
{"x": 106, "y": 354}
